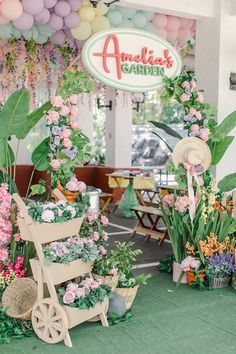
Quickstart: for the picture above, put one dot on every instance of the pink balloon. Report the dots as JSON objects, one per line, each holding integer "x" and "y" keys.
{"x": 160, "y": 21}
{"x": 55, "y": 22}
{"x": 172, "y": 35}
{"x": 33, "y": 7}
{"x": 72, "y": 20}
{"x": 184, "y": 35}
{"x": 173, "y": 23}
{"x": 161, "y": 32}
{"x": 3, "y": 20}
{"x": 194, "y": 26}
{"x": 50, "y": 3}
{"x": 62, "y": 8}
{"x": 68, "y": 34}
{"x": 75, "y": 4}
{"x": 58, "y": 37}
{"x": 24, "y": 23}
{"x": 43, "y": 17}
{"x": 11, "y": 9}
{"x": 185, "y": 23}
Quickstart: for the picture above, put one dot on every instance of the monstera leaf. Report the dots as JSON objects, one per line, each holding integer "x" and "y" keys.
{"x": 40, "y": 156}
{"x": 166, "y": 129}
{"x": 220, "y": 149}
{"x": 14, "y": 113}
{"x": 228, "y": 183}
{"x": 7, "y": 156}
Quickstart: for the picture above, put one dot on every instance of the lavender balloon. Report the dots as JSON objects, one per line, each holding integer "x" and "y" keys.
{"x": 72, "y": 20}
{"x": 75, "y": 4}
{"x": 62, "y": 8}
{"x": 55, "y": 22}
{"x": 43, "y": 17}
{"x": 25, "y": 22}
{"x": 50, "y": 3}
{"x": 58, "y": 37}
{"x": 33, "y": 7}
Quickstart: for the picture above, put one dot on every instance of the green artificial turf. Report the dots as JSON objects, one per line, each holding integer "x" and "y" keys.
{"x": 164, "y": 321}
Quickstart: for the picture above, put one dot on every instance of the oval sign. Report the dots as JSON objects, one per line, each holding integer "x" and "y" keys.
{"x": 130, "y": 59}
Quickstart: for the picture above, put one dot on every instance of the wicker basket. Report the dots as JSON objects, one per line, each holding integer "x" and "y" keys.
{"x": 128, "y": 294}
{"x": 111, "y": 280}
{"x": 19, "y": 298}
{"x": 217, "y": 283}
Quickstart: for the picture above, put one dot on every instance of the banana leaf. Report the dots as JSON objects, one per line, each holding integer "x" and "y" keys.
{"x": 228, "y": 183}
{"x": 40, "y": 156}
{"x": 228, "y": 124}
{"x": 7, "y": 156}
{"x": 220, "y": 149}
{"x": 166, "y": 129}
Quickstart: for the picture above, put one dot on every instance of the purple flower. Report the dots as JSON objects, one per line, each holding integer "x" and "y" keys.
{"x": 52, "y": 147}
{"x": 205, "y": 122}
{"x": 56, "y": 140}
{"x": 70, "y": 152}
{"x": 56, "y": 130}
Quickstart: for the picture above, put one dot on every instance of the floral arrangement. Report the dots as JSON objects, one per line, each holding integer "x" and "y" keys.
{"x": 71, "y": 249}
{"x": 10, "y": 272}
{"x": 84, "y": 295}
{"x": 189, "y": 263}
{"x": 6, "y": 228}
{"x": 220, "y": 265}
{"x": 69, "y": 146}
{"x": 60, "y": 211}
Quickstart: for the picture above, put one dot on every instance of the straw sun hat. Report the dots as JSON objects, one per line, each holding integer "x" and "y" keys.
{"x": 193, "y": 151}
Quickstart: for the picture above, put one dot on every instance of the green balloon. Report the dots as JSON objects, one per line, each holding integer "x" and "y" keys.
{"x": 149, "y": 15}
{"x": 115, "y": 17}
{"x": 139, "y": 20}
{"x": 150, "y": 28}
{"x": 6, "y": 31}
{"x": 127, "y": 12}
{"x": 126, "y": 23}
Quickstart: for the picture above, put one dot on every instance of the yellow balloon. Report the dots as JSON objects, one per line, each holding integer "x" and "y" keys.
{"x": 82, "y": 32}
{"x": 101, "y": 9}
{"x": 87, "y": 13}
{"x": 87, "y": 3}
{"x": 100, "y": 23}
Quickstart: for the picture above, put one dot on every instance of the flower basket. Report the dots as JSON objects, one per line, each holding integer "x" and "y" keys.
{"x": 191, "y": 277}
{"x": 217, "y": 283}
{"x": 19, "y": 298}
{"x": 110, "y": 280}
{"x": 128, "y": 294}
{"x": 176, "y": 273}
{"x": 71, "y": 197}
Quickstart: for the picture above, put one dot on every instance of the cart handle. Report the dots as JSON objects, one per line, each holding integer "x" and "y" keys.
{"x": 23, "y": 207}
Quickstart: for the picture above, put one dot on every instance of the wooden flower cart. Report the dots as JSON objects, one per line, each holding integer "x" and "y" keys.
{"x": 50, "y": 320}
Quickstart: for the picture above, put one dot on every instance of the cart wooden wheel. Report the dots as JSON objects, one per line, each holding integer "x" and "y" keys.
{"x": 49, "y": 321}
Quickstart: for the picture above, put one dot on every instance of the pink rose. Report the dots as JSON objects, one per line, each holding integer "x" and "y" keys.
{"x": 55, "y": 164}
{"x": 91, "y": 216}
{"x": 72, "y": 287}
{"x": 67, "y": 143}
{"x": 65, "y": 133}
{"x": 53, "y": 117}
{"x": 194, "y": 128}
{"x": 194, "y": 264}
{"x": 104, "y": 220}
{"x": 17, "y": 236}
{"x": 200, "y": 97}
{"x": 192, "y": 111}
{"x": 184, "y": 97}
{"x": 185, "y": 84}
{"x": 87, "y": 283}
{"x": 185, "y": 266}
{"x": 80, "y": 292}
{"x": 94, "y": 285}
{"x": 71, "y": 186}
{"x": 193, "y": 84}
{"x": 113, "y": 271}
{"x": 204, "y": 134}
{"x": 64, "y": 111}
{"x": 57, "y": 101}
{"x": 95, "y": 236}
{"x": 69, "y": 297}
{"x": 73, "y": 99}
{"x": 102, "y": 250}
{"x": 48, "y": 216}
{"x": 81, "y": 186}
{"x": 74, "y": 125}
{"x": 198, "y": 115}
{"x": 168, "y": 200}
{"x": 74, "y": 111}
{"x": 105, "y": 236}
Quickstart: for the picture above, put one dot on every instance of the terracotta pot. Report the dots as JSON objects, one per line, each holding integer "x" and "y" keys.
{"x": 71, "y": 197}
{"x": 191, "y": 277}
{"x": 176, "y": 273}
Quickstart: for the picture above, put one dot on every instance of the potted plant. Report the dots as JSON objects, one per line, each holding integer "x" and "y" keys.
{"x": 105, "y": 270}
{"x": 219, "y": 270}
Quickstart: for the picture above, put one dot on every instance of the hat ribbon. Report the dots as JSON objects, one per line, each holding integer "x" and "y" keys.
{"x": 191, "y": 173}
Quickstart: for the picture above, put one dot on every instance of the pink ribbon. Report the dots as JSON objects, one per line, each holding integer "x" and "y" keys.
{"x": 191, "y": 173}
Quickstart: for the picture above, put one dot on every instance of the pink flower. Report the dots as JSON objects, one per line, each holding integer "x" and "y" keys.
{"x": 184, "y": 97}
{"x": 71, "y": 186}
{"x": 102, "y": 250}
{"x": 95, "y": 236}
{"x": 64, "y": 111}
{"x": 74, "y": 125}
{"x": 73, "y": 99}
{"x": 193, "y": 84}
{"x": 72, "y": 287}
{"x": 55, "y": 164}
{"x": 80, "y": 292}
{"x": 48, "y": 216}
{"x": 53, "y": 117}
{"x": 69, "y": 297}
{"x": 189, "y": 263}
{"x": 113, "y": 271}
{"x": 185, "y": 84}
{"x": 198, "y": 115}
{"x": 94, "y": 285}
{"x": 57, "y": 101}
{"x": 204, "y": 134}
{"x": 65, "y": 133}
{"x": 74, "y": 111}
{"x": 104, "y": 220}
{"x": 105, "y": 236}
{"x": 200, "y": 97}
{"x": 168, "y": 200}
{"x": 194, "y": 264}
{"x": 185, "y": 266}
{"x": 91, "y": 216}
{"x": 67, "y": 143}
{"x": 192, "y": 111}
{"x": 182, "y": 203}
{"x": 81, "y": 186}
{"x": 3, "y": 254}
{"x": 17, "y": 236}
{"x": 87, "y": 283}
{"x": 194, "y": 128}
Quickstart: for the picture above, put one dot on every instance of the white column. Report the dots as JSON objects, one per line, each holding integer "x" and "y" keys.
{"x": 119, "y": 129}
{"x": 85, "y": 114}
{"x": 215, "y": 60}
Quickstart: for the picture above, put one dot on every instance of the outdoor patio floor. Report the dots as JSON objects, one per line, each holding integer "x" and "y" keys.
{"x": 164, "y": 321}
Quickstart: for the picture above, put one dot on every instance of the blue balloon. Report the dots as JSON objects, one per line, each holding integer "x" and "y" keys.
{"x": 149, "y": 15}
{"x": 115, "y": 17}
{"x": 126, "y": 24}
{"x": 41, "y": 39}
{"x": 16, "y": 33}
{"x": 27, "y": 35}
{"x": 127, "y": 12}
{"x": 46, "y": 30}
{"x": 150, "y": 28}
{"x": 6, "y": 31}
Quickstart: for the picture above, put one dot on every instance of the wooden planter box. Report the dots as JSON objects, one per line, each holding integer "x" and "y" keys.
{"x": 59, "y": 273}
{"x": 77, "y": 316}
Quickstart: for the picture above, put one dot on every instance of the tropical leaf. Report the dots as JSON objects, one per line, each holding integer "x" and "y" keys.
{"x": 14, "y": 113}
{"x": 33, "y": 118}
{"x": 166, "y": 129}
{"x": 228, "y": 124}
{"x": 5, "y": 178}
{"x": 220, "y": 149}
{"x": 40, "y": 156}
{"x": 7, "y": 156}
{"x": 168, "y": 146}
{"x": 228, "y": 183}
